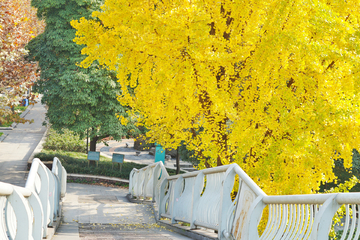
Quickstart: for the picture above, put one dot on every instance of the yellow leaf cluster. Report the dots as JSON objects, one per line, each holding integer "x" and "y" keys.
{"x": 271, "y": 85}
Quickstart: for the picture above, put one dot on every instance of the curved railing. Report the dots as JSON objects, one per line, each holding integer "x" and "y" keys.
{"x": 25, "y": 213}
{"x": 203, "y": 199}
{"x": 145, "y": 182}
{"x": 305, "y": 216}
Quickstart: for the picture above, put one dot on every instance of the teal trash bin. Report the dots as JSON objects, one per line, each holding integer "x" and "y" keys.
{"x": 159, "y": 153}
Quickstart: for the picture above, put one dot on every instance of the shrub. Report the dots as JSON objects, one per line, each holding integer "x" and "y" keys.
{"x": 344, "y": 174}
{"x": 67, "y": 141}
{"x": 77, "y": 163}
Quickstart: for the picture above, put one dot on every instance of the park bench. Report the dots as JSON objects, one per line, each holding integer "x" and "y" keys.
{"x": 202, "y": 199}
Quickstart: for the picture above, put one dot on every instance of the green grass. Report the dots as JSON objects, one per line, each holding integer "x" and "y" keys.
{"x": 1, "y": 133}
{"x": 76, "y": 162}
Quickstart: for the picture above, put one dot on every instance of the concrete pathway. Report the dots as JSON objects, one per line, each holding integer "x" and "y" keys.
{"x": 93, "y": 212}
{"x": 19, "y": 145}
{"x": 130, "y": 153}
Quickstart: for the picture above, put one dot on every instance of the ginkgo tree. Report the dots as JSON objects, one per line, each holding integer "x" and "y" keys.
{"x": 270, "y": 85}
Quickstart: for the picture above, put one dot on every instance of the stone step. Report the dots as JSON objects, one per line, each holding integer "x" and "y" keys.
{"x": 126, "y": 231}
{"x": 104, "y": 213}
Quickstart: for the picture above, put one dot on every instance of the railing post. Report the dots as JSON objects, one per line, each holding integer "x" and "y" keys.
{"x": 58, "y": 172}
{"x": 148, "y": 183}
{"x": 23, "y": 216}
{"x": 176, "y": 195}
{"x": 140, "y": 183}
{"x": 323, "y": 219}
{"x": 63, "y": 181}
{"x": 3, "y": 234}
{"x": 38, "y": 213}
{"x": 250, "y": 220}
{"x": 162, "y": 197}
{"x": 227, "y": 206}
{"x": 198, "y": 187}
{"x": 44, "y": 190}
{"x": 51, "y": 196}
{"x": 131, "y": 182}
{"x": 156, "y": 181}
{"x": 56, "y": 196}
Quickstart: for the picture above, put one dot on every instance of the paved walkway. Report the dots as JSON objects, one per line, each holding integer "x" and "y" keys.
{"x": 126, "y": 147}
{"x": 93, "y": 212}
{"x": 19, "y": 145}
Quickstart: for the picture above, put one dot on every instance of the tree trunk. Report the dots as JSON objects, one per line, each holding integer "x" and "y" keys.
{"x": 178, "y": 161}
{"x": 93, "y": 141}
{"x": 87, "y": 141}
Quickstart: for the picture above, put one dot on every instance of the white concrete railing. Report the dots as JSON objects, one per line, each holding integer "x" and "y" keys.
{"x": 304, "y": 216}
{"x": 202, "y": 198}
{"x": 142, "y": 182}
{"x": 26, "y": 212}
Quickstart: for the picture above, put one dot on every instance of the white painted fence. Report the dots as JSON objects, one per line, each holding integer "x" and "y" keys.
{"x": 26, "y": 212}
{"x": 202, "y": 199}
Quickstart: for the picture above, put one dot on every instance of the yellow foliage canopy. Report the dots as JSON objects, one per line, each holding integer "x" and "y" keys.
{"x": 270, "y": 85}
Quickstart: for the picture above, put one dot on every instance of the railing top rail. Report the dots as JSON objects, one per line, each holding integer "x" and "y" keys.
{"x": 150, "y": 166}
{"x": 348, "y": 198}
{"x": 5, "y": 189}
{"x": 252, "y": 185}
{"x": 56, "y": 161}
{"x": 204, "y": 171}
{"x": 164, "y": 169}
{"x": 298, "y": 199}
{"x": 32, "y": 173}
{"x": 24, "y": 191}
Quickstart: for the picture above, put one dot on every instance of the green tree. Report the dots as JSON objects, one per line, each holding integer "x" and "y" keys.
{"x": 78, "y": 99}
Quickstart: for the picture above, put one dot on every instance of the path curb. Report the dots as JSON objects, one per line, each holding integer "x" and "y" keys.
{"x": 2, "y": 138}
{"x": 39, "y": 147}
{"x": 96, "y": 178}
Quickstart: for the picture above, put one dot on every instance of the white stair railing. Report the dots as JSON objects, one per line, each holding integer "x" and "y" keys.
{"x": 26, "y": 212}
{"x": 351, "y": 230}
{"x": 202, "y": 199}
{"x": 145, "y": 183}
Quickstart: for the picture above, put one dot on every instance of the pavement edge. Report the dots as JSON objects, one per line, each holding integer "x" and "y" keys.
{"x": 39, "y": 147}
{"x": 2, "y": 138}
